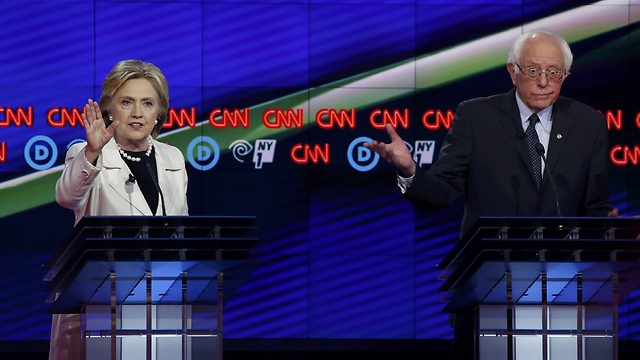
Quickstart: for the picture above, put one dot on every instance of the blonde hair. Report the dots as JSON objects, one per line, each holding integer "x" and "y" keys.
{"x": 135, "y": 69}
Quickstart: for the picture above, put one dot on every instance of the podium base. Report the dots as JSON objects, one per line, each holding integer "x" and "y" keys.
{"x": 151, "y": 332}
{"x": 163, "y": 347}
{"x": 546, "y": 332}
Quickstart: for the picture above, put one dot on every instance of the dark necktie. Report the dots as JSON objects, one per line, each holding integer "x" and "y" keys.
{"x": 532, "y": 140}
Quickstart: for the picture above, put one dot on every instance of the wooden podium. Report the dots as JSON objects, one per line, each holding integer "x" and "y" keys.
{"x": 544, "y": 288}
{"x": 151, "y": 287}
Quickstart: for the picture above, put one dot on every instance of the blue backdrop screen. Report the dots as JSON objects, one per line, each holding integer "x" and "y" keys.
{"x": 281, "y": 95}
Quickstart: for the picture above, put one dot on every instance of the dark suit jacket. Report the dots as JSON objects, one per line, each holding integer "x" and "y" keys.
{"x": 485, "y": 158}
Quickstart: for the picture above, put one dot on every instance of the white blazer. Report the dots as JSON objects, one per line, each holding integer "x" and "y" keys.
{"x": 103, "y": 190}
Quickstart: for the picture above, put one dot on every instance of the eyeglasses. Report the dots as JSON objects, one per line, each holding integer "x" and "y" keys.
{"x": 534, "y": 73}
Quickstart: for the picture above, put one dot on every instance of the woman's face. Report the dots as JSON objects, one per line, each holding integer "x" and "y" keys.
{"x": 136, "y": 105}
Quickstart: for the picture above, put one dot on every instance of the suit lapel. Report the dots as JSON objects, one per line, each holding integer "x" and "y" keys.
{"x": 560, "y": 127}
{"x": 513, "y": 124}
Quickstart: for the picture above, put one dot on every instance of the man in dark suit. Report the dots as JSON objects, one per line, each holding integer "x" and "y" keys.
{"x": 485, "y": 157}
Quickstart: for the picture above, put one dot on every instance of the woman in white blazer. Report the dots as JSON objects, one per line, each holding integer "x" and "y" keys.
{"x": 121, "y": 169}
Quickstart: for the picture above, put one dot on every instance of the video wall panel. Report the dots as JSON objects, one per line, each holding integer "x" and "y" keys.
{"x": 282, "y": 95}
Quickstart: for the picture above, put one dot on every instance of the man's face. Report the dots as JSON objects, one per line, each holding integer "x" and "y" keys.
{"x": 544, "y": 54}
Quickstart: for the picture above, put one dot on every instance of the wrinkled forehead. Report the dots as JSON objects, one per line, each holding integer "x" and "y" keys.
{"x": 542, "y": 51}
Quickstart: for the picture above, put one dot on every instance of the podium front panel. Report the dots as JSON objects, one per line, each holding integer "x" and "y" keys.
{"x": 151, "y": 287}
{"x": 544, "y": 288}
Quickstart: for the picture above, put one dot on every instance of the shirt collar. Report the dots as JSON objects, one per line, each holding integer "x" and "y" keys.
{"x": 525, "y": 112}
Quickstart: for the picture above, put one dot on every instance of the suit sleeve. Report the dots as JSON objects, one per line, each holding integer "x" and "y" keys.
{"x": 445, "y": 181}
{"x": 597, "y": 201}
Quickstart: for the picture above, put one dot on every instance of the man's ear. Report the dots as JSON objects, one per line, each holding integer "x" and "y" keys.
{"x": 512, "y": 72}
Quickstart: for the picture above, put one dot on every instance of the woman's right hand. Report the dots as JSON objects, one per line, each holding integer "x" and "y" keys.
{"x": 97, "y": 133}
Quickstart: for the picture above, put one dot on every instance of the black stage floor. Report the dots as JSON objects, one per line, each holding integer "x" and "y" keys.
{"x": 295, "y": 349}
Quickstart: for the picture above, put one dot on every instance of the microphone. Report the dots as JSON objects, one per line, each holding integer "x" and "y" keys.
{"x": 155, "y": 182}
{"x": 131, "y": 180}
{"x": 521, "y": 135}
{"x": 540, "y": 151}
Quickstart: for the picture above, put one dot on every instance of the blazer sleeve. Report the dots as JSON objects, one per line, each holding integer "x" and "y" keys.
{"x": 74, "y": 185}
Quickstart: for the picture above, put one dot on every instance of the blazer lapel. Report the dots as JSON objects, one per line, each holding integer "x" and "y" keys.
{"x": 117, "y": 173}
{"x": 165, "y": 164}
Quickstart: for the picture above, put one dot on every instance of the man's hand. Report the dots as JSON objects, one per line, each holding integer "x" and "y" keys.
{"x": 395, "y": 153}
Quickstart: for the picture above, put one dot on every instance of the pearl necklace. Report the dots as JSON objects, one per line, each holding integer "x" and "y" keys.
{"x": 135, "y": 158}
